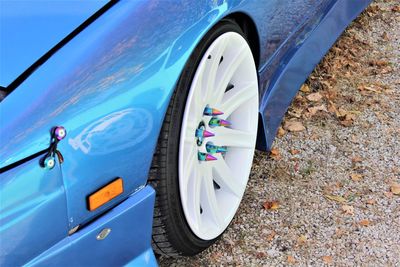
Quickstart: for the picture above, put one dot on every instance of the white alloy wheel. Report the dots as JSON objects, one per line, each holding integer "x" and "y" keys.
{"x": 214, "y": 170}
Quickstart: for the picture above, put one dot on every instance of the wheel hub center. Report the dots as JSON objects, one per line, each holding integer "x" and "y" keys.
{"x": 201, "y": 133}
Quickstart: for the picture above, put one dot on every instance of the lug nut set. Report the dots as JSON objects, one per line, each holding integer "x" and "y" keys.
{"x": 201, "y": 133}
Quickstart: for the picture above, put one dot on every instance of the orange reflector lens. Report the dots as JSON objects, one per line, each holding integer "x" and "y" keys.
{"x": 105, "y": 194}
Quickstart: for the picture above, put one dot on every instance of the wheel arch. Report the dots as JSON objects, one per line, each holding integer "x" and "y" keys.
{"x": 249, "y": 28}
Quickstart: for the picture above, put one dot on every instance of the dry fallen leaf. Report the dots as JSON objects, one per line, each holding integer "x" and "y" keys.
{"x": 388, "y": 194}
{"x": 371, "y": 88}
{"x": 261, "y": 255}
{"x": 275, "y": 154}
{"x": 332, "y": 109}
{"x": 347, "y": 119}
{"x": 339, "y": 199}
{"x": 294, "y": 151}
{"x": 339, "y": 232}
{"x": 314, "y": 97}
{"x": 216, "y": 255}
{"x": 301, "y": 240}
{"x": 314, "y": 110}
{"x": 291, "y": 259}
{"x": 396, "y": 9}
{"x": 347, "y": 209}
{"x": 271, "y": 236}
{"x": 395, "y": 189}
{"x": 371, "y": 201}
{"x": 327, "y": 259}
{"x": 295, "y": 112}
{"x": 294, "y": 126}
{"x": 356, "y": 159}
{"x": 364, "y": 222}
{"x": 281, "y": 132}
{"x": 356, "y": 177}
{"x": 305, "y": 88}
{"x": 271, "y": 205}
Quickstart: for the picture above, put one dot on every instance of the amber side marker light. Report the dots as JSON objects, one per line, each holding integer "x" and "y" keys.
{"x": 105, "y": 194}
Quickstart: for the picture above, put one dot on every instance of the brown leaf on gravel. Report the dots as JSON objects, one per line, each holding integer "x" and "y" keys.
{"x": 332, "y": 109}
{"x": 271, "y": 236}
{"x": 314, "y": 97}
{"x": 216, "y": 256}
{"x": 347, "y": 120}
{"x": 314, "y": 110}
{"x": 295, "y": 112}
{"x": 388, "y": 194}
{"x": 305, "y": 88}
{"x": 346, "y": 117}
{"x": 396, "y": 9}
{"x": 395, "y": 189}
{"x": 371, "y": 201}
{"x": 339, "y": 232}
{"x": 385, "y": 36}
{"x": 364, "y": 222}
{"x": 229, "y": 241}
{"x": 275, "y": 154}
{"x": 379, "y": 63}
{"x": 291, "y": 259}
{"x": 261, "y": 255}
{"x": 294, "y": 151}
{"x": 346, "y": 123}
{"x": 370, "y": 88}
{"x": 347, "y": 209}
{"x": 332, "y": 94}
{"x": 356, "y": 177}
{"x": 336, "y": 198}
{"x": 281, "y": 132}
{"x": 356, "y": 159}
{"x": 294, "y": 126}
{"x": 301, "y": 240}
{"x": 271, "y": 205}
{"x": 327, "y": 259}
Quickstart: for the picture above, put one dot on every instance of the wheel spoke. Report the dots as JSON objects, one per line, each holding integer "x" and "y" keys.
{"x": 195, "y": 194}
{"x": 198, "y": 103}
{"x": 209, "y": 198}
{"x": 226, "y": 74}
{"x": 237, "y": 97}
{"x": 213, "y": 65}
{"x": 226, "y": 179}
{"x": 234, "y": 138}
{"x": 189, "y": 161}
{"x": 189, "y": 137}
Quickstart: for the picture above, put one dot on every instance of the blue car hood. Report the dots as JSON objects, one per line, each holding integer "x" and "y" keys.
{"x": 29, "y": 29}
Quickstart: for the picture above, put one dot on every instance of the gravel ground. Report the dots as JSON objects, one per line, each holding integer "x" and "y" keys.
{"x": 328, "y": 193}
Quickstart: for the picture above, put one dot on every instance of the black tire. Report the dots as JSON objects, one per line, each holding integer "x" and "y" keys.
{"x": 172, "y": 235}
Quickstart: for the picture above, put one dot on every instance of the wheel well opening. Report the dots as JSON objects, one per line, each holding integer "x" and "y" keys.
{"x": 249, "y": 28}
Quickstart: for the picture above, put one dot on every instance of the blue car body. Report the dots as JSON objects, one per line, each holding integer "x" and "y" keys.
{"x": 109, "y": 82}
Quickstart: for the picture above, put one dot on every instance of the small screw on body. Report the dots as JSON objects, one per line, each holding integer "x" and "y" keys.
{"x": 103, "y": 234}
